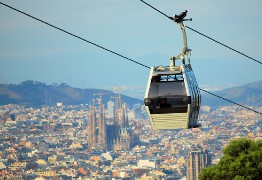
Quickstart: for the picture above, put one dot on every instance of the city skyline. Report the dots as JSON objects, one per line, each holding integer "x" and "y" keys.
{"x": 31, "y": 50}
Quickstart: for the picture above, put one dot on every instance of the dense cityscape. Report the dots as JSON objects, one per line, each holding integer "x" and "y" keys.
{"x": 74, "y": 131}
{"x": 56, "y": 142}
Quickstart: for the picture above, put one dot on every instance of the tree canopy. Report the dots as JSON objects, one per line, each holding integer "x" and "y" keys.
{"x": 242, "y": 159}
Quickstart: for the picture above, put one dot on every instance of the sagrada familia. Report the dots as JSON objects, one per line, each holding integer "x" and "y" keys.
{"x": 115, "y": 135}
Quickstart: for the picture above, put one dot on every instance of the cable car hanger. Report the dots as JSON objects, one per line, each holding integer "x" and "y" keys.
{"x": 185, "y": 51}
{"x": 184, "y": 54}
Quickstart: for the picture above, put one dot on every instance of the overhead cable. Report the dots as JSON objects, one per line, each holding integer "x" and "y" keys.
{"x": 230, "y": 101}
{"x": 224, "y": 45}
{"x": 71, "y": 34}
{"x": 60, "y": 29}
{"x": 157, "y": 10}
{"x": 171, "y": 18}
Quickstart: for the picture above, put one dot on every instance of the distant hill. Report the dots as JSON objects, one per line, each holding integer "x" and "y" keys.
{"x": 36, "y": 94}
{"x": 249, "y": 94}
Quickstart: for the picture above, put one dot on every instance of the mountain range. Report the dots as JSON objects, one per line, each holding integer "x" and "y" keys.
{"x": 35, "y": 93}
{"x": 248, "y": 94}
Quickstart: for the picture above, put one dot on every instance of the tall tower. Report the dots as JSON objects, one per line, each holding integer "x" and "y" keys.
{"x": 124, "y": 137}
{"x": 117, "y": 109}
{"x": 196, "y": 161}
{"x": 92, "y": 127}
{"x": 124, "y": 117}
{"x": 102, "y": 125}
{"x": 97, "y": 134}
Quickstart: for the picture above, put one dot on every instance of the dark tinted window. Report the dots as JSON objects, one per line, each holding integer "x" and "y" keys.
{"x": 168, "y": 96}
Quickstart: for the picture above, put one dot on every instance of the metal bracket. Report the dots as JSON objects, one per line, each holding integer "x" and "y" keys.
{"x": 185, "y": 53}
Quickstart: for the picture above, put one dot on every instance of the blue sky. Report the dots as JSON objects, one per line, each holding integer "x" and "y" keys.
{"x": 30, "y": 50}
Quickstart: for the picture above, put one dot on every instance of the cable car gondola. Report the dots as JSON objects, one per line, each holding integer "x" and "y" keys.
{"x": 172, "y": 97}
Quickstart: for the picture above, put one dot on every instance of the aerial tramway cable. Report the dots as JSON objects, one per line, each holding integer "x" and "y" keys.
{"x": 113, "y": 52}
{"x": 171, "y": 18}
{"x": 224, "y": 45}
{"x": 231, "y": 101}
{"x": 71, "y": 34}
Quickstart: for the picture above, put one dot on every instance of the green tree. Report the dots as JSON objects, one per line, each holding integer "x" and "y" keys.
{"x": 242, "y": 159}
